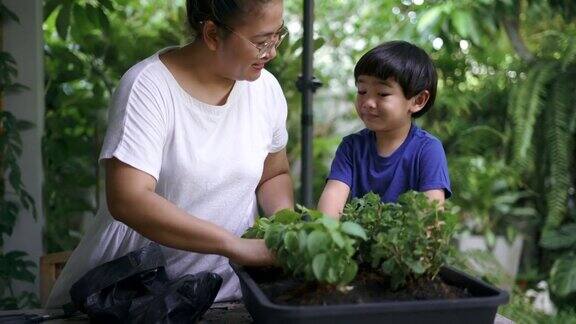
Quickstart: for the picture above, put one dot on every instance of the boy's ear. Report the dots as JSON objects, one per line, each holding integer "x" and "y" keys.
{"x": 419, "y": 101}
{"x": 210, "y": 34}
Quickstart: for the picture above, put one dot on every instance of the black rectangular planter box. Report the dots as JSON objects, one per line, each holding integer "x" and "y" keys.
{"x": 479, "y": 309}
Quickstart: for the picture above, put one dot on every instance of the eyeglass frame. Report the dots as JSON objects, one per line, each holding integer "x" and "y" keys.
{"x": 282, "y": 32}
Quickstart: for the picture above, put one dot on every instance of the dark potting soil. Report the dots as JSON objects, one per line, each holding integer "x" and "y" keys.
{"x": 368, "y": 287}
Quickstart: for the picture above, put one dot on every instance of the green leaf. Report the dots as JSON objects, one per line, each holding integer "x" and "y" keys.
{"x": 92, "y": 14}
{"x": 291, "y": 242}
{"x": 286, "y": 216}
{"x": 104, "y": 22}
{"x": 332, "y": 276}
{"x": 416, "y": 267}
{"x": 524, "y": 212}
{"x": 430, "y": 20}
{"x": 317, "y": 242}
{"x": 461, "y": 21}
{"x": 349, "y": 273}
{"x": 397, "y": 280}
{"x": 24, "y": 125}
{"x": 82, "y": 25}
{"x": 63, "y": 20}
{"x": 318, "y": 43}
{"x": 314, "y": 214}
{"x": 490, "y": 238}
{"x": 302, "y": 240}
{"x": 388, "y": 266}
{"x": 354, "y": 229}
{"x": 563, "y": 276}
{"x": 329, "y": 222}
{"x": 50, "y": 6}
{"x": 16, "y": 88}
{"x": 273, "y": 238}
{"x": 319, "y": 266}
{"x": 563, "y": 238}
{"x": 15, "y": 255}
{"x": 106, "y": 4}
{"x": 23, "y": 275}
{"x": 338, "y": 239}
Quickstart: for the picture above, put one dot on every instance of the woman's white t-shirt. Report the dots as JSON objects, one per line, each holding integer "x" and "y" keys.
{"x": 207, "y": 160}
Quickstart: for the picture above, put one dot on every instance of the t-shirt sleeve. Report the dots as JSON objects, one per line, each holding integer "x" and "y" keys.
{"x": 341, "y": 168}
{"x": 137, "y": 125}
{"x": 280, "y": 113}
{"x": 434, "y": 168}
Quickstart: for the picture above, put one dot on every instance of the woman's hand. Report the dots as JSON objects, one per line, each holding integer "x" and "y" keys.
{"x": 251, "y": 252}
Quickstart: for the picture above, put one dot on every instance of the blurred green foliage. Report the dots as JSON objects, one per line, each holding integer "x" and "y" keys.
{"x": 14, "y": 198}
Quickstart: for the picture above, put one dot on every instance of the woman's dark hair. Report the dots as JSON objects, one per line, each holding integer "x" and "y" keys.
{"x": 227, "y": 12}
{"x": 408, "y": 64}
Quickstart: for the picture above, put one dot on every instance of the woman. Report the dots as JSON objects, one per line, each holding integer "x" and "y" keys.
{"x": 196, "y": 139}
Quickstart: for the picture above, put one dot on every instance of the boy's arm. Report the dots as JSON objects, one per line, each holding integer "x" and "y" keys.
{"x": 436, "y": 194}
{"x": 333, "y": 198}
{"x": 434, "y": 180}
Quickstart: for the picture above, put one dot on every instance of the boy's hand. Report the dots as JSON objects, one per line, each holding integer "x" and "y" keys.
{"x": 437, "y": 195}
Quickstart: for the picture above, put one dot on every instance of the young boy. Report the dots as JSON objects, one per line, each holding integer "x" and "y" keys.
{"x": 396, "y": 82}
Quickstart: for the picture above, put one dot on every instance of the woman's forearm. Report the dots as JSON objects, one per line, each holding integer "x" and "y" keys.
{"x": 161, "y": 221}
{"x": 132, "y": 200}
{"x": 276, "y": 193}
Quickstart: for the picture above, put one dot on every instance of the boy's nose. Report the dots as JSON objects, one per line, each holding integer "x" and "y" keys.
{"x": 368, "y": 104}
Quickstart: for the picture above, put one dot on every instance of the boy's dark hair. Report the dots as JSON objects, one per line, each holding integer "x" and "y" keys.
{"x": 408, "y": 64}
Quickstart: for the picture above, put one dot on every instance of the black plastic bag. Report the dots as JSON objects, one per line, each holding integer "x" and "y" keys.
{"x": 183, "y": 301}
{"x": 135, "y": 288}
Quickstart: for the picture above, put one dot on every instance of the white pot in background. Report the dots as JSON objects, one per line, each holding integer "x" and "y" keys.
{"x": 508, "y": 255}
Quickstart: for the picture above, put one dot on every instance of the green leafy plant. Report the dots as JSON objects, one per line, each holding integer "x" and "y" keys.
{"x": 311, "y": 245}
{"x": 520, "y": 310}
{"x": 542, "y": 118}
{"x": 563, "y": 272}
{"x": 490, "y": 198}
{"x": 13, "y": 196}
{"x": 532, "y": 44}
{"x": 405, "y": 240}
{"x": 410, "y": 239}
{"x": 544, "y": 125}
{"x": 484, "y": 265}
{"x": 367, "y": 212}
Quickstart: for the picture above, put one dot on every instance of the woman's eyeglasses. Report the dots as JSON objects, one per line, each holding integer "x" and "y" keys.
{"x": 265, "y": 47}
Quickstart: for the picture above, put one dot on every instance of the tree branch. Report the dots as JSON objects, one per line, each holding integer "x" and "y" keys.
{"x": 511, "y": 23}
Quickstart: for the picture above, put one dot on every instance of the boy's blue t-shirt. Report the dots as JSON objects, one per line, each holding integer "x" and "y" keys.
{"x": 418, "y": 164}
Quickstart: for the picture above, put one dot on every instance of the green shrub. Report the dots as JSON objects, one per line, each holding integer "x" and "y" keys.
{"x": 408, "y": 239}
{"x": 405, "y": 241}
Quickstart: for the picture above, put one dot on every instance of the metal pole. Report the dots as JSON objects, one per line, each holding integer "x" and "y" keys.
{"x": 307, "y": 84}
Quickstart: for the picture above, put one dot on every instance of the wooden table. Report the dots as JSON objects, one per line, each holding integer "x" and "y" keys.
{"x": 218, "y": 313}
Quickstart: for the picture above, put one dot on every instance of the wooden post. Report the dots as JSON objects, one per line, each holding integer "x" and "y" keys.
{"x": 50, "y": 267}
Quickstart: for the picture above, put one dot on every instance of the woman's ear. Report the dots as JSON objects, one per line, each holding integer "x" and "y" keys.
{"x": 419, "y": 101}
{"x": 210, "y": 34}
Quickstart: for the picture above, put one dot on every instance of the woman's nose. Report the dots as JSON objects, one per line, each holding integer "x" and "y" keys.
{"x": 270, "y": 54}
